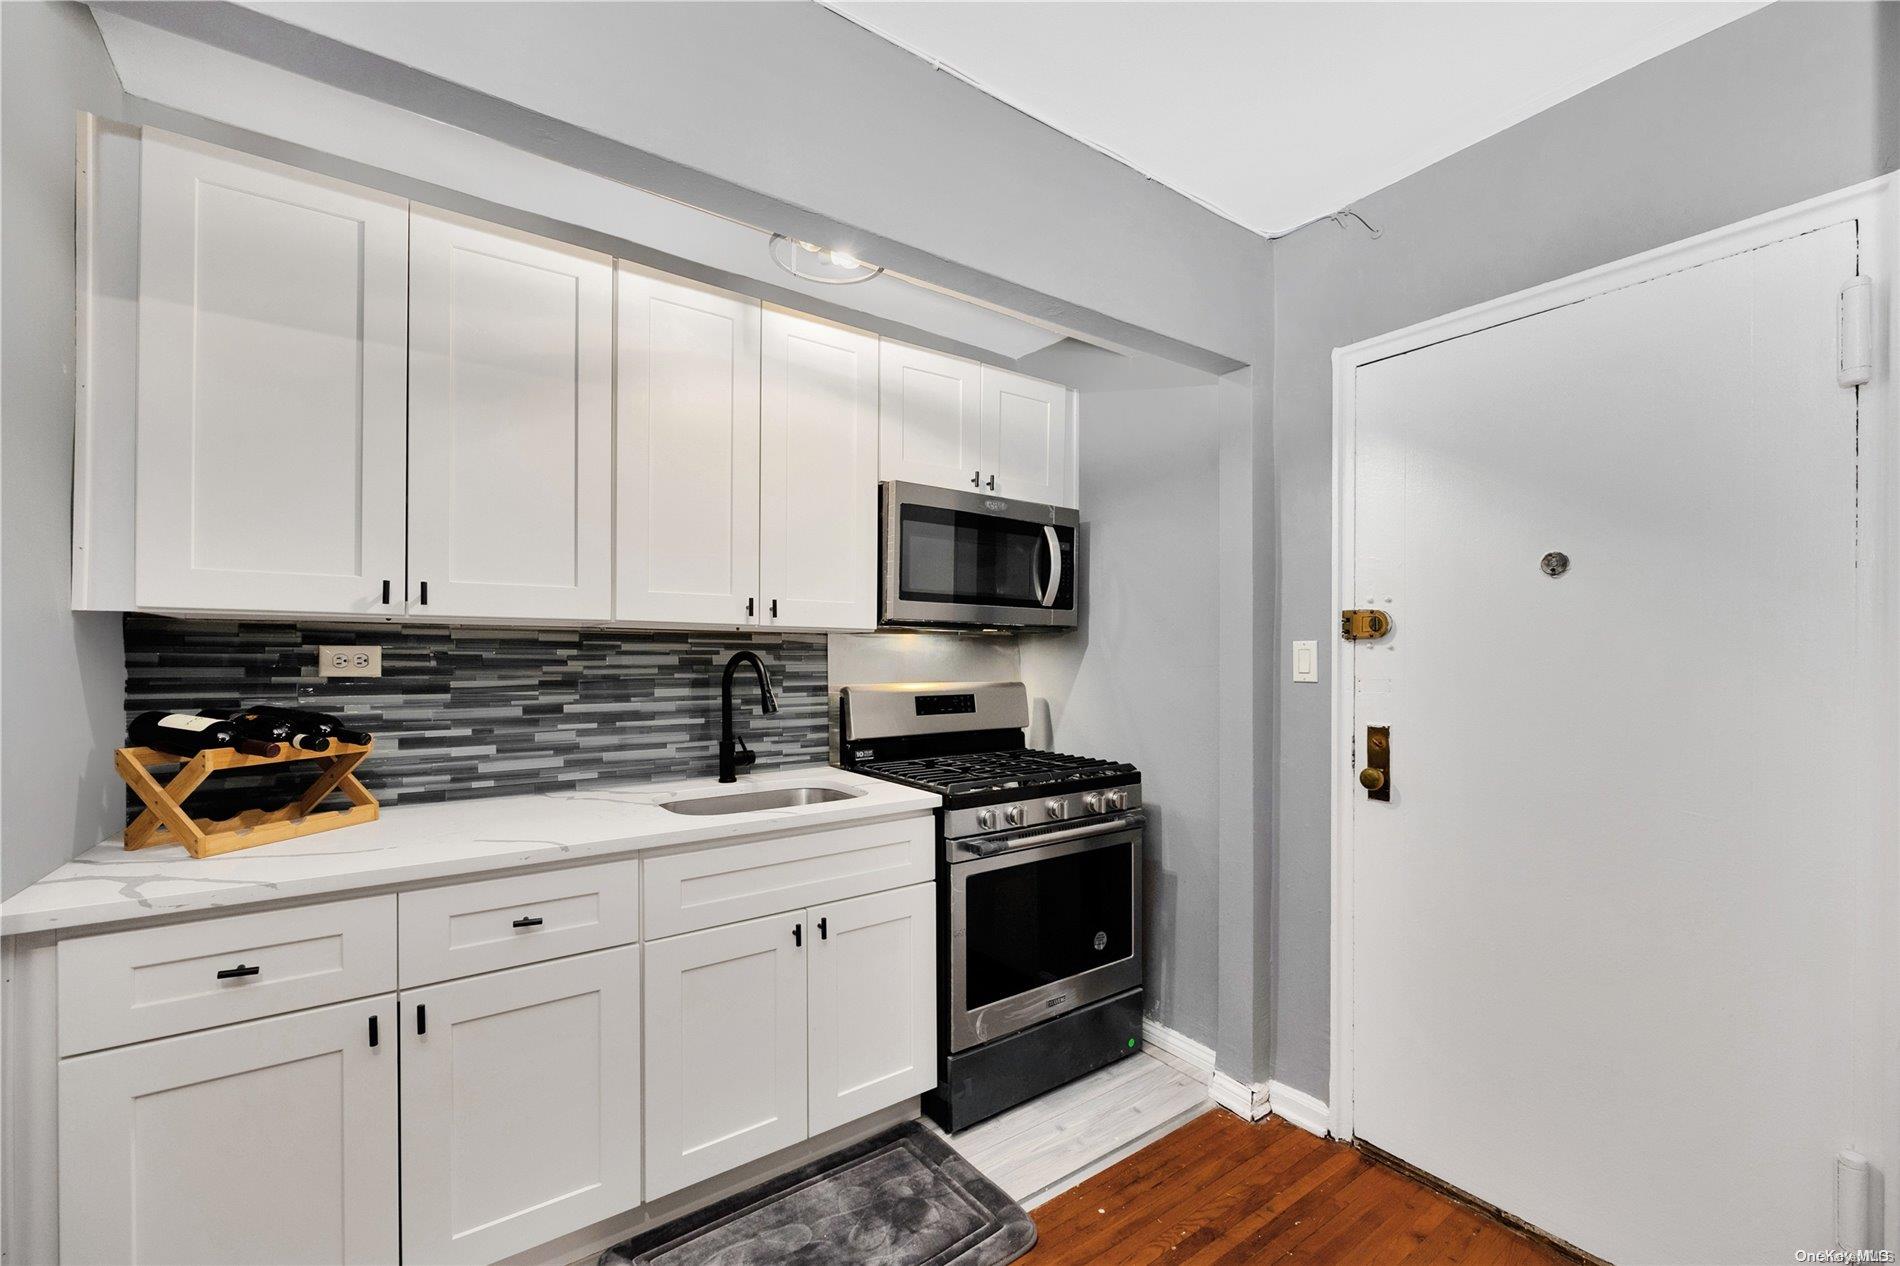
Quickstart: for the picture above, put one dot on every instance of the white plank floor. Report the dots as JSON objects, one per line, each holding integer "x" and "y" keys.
{"x": 1042, "y": 1148}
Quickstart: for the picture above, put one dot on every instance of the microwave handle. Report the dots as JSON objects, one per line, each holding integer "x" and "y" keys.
{"x": 1054, "y": 542}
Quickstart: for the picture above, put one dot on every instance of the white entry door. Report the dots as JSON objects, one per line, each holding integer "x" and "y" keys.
{"x": 1603, "y": 928}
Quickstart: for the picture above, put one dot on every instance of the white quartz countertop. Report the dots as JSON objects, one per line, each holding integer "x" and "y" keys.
{"x": 422, "y": 843}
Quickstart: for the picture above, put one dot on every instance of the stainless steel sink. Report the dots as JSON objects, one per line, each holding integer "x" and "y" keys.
{"x": 753, "y": 801}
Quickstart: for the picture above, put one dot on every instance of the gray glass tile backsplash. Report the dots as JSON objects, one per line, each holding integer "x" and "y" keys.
{"x": 487, "y": 711}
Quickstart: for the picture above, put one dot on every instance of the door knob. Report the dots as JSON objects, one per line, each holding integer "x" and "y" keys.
{"x": 1371, "y": 779}
{"x": 1376, "y": 777}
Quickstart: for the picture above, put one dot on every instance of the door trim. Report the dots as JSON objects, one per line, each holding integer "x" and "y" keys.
{"x": 1876, "y": 205}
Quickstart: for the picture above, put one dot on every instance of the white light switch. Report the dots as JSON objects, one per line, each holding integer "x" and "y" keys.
{"x": 1306, "y": 661}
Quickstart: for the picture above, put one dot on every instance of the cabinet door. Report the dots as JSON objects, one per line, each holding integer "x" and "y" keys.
{"x": 520, "y": 1106}
{"x": 873, "y": 1003}
{"x": 273, "y": 318}
{"x": 510, "y": 423}
{"x": 818, "y": 474}
{"x": 930, "y": 418}
{"x": 271, "y": 1141}
{"x": 1030, "y": 421}
{"x": 725, "y": 1048}
{"x": 687, "y": 479}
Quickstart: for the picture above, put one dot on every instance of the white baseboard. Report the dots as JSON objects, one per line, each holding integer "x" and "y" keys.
{"x": 1249, "y": 1103}
{"x": 1296, "y": 1107}
{"x": 1178, "y": 1051}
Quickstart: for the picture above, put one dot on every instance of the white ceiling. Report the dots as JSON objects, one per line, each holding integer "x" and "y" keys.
{"x": 1272, "y": 113}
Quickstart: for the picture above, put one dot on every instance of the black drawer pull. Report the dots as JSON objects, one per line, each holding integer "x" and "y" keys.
{"x": 422, "y": 1020}
{"x": 528, "y": 921}
{"x": 823, "y": 935}
{"x": 425, "y": 593}
{"x": 385, "y": 593}
{"x": 798, "y": 934}
{"x": 233, "y": 973}
{"x": 373, "y": 1035}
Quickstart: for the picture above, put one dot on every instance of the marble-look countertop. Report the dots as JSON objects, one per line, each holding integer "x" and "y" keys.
{"x": 423, "y": 843}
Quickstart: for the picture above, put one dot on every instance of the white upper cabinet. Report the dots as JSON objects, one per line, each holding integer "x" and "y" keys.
{"x": 510, "y": 423}
{"x": 873, "y": 1003}
{"x": 954, "y": 423}
{"x": 273, "y": 306}
{"x": 818, "y": 447}
{"x": 930, "y": 418}
{"x": 272, "y": 1141}
{"x": 520, "y": 1106}
{"x": 1029, "y": 422}
{"x": 687, "y": 472}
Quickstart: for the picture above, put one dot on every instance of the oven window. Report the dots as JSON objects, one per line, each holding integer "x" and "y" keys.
{"x": 979, "y": 559}
{"x": 1043, "y": 921}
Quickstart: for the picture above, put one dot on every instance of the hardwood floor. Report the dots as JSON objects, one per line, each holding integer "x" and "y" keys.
{"x": 1221, "y": 1192}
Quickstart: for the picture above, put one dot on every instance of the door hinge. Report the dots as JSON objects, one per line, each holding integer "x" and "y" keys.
{"x": 1855, "y": 325}
{"x": 1364, "y": 625}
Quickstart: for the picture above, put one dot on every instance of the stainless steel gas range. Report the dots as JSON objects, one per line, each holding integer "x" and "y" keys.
{"x": 1039, "y": 881}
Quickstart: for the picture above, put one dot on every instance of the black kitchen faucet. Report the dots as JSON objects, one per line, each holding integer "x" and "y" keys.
{"x": 734, "y": 755}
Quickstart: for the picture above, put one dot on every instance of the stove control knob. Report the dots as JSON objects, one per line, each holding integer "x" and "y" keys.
{"x": 1013, "y": 815}
{"x": 986, "y": 819}
{"x": 1058, "y": 809}
{"x": 1118, "y": 800}
{"x": 1092, "y": 802}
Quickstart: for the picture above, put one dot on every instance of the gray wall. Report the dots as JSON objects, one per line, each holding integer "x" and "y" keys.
{"x": 1138, "y": 680}
{"x": 785, "y": 114}
{"x": 1788, "y": 103}
{"x": 61, "y": 676}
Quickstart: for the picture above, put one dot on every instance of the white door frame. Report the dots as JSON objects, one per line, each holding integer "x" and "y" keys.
{"x": 1876, "y": 204}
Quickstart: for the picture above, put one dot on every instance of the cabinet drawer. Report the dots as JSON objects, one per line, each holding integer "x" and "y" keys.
{"x": 470, "y": 928}
{"x": 152, "y": 982}
{"x": 708, "y": 887}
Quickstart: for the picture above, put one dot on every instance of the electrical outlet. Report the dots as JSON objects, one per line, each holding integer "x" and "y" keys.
{"x": 349, "y": 661}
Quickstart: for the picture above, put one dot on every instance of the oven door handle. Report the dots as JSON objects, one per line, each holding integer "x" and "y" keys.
{"x": 1052, "y": 541}
{"x": 996, "y": 847}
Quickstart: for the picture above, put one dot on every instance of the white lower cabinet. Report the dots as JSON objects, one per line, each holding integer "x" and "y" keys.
{"x": 536, "y": 1084}
{"x": 270, "y": 1141}
{"x": 725, "y": 1052}
{"x": 520, "y": 1106}
{"x": 873, "y": 1012}
{"x": 761, "y": 1034}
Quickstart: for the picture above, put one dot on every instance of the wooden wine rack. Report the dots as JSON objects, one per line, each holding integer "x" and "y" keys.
{"x": 166, "y": 822}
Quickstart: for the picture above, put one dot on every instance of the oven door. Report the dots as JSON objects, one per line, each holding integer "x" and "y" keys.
{"x": 1041, "y": 930}
{"x": 953, "y": 557}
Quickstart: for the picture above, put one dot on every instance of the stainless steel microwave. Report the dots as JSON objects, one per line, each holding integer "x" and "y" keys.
{"x": 973, "y": 559}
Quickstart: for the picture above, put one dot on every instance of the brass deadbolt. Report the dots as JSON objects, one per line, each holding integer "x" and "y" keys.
{"x": 1364, "y": 625}
{"x": 1371, "y": 779}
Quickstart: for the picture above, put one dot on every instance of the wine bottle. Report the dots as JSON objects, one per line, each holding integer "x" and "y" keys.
{"x": 254, "y": 725}
{"x": 311, "y": 722}
{"x": 181, "y": 734}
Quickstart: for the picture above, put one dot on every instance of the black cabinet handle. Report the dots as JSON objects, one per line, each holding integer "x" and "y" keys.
{"x": 425, "y": 593}
{"x": 748, "y": 608}
{"x": 233, "y": 973}
{"x": 823, "y": 935}
{"x": 775, "y": 608}
{"x": 992, "y": 483}
{"x": 385, "y": 593}
{"x": 976, "y": 479}
{"x": 422, "y": 1019}
{"x": 372, "y": 1031}
{"x": 528, "y": 921}
{"x": 798, "y": 934}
